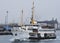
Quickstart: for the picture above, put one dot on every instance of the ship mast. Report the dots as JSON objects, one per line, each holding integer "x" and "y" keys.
{"x": 6, "y": 18}
{"x": 22, "y": 18}
{"x": 32, "y": 18}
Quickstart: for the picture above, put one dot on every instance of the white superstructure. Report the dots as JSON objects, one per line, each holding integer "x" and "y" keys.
{"x": 32, "y": 32}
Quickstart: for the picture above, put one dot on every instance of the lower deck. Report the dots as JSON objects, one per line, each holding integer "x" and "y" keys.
{"x": 42, "y": 36}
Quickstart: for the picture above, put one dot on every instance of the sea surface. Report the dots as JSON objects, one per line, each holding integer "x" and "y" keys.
{"x": 6, "y": 39}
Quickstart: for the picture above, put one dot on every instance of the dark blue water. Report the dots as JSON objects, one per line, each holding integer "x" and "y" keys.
{"x": 6, "y": 39}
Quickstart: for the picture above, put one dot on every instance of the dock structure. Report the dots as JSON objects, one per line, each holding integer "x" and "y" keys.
{"x": 6, "y": 33}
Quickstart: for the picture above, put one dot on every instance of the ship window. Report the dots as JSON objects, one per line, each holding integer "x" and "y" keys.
{"x": 31, "y": 34}
{"x": 29, "y": 29}
{"x": 35, "y": 30}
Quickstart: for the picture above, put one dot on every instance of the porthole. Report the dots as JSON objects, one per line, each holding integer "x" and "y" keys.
{"x": 15, "y": 34}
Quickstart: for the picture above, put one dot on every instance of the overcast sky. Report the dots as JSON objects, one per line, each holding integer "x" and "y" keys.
{"x": 44, "y": 10}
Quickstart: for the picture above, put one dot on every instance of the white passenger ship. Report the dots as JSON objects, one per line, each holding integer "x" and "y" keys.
{"x": 33, "y": 31}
